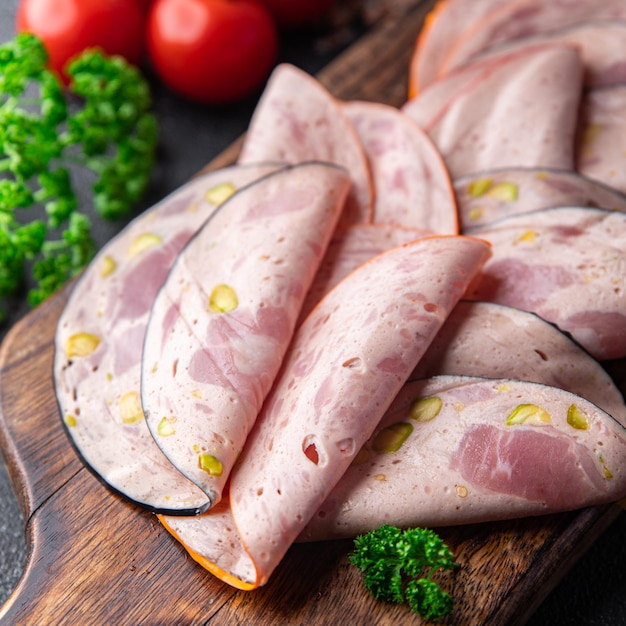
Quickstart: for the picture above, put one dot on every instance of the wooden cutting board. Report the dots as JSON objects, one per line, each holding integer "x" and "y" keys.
{"x": 95, "y": 559}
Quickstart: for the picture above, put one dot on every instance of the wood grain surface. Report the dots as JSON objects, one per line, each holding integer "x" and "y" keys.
{"x": 96, "y": 559}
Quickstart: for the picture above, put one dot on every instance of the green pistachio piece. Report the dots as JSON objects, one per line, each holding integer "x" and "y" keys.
{"x": 576, "y": 418}
{"x": 223, "y": 299}
{"x": 81, "y": 344}
{"x": 108, "y": 266}
{"x": 143, "y": 242}
{"x": 527, "y": 236}
{"x": 390, "y": 439}
{"x": 165, "y": 427}
{"x": 506, "y": 192}
{"x": 608, "y": 474}
{"x": 479, "y": 187}
{"x": 425, "y": 409}
{"x": 476, "y": 213}
{"x": 210, "y": 464}
{"x": 528, "y": 414}
{"x": 220, "y": 193}
{"x": 129, "y": 405}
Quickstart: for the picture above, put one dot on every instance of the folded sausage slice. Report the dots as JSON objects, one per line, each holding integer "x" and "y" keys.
{"x": 411, "y": 181}
{"x": 442, "y": 28}
{"x": 296, "y": 120}
{"x": 485, "y": 197}
{"x": 348, "y": 249}
{"x": 602, "y": 136}
{"x": 601, "y": 45}
{"x": 496, "y": 341}
{"x": 565, "y": 264}
{"x": 99, "y": 340}
{"x": 345, "y": 365}
{"x": 521, "y": 18}
{"x": 457, "y": 450}
{"x": 221, "y": 323}
{"x": 517, "y": 111}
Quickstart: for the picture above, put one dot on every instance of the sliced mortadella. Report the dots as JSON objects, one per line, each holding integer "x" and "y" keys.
{"x": 99, "y": 339}
{"x": 348, "y": 249}
{"x": 523, "y": 18}
{"x": 457, "y": 450}
{"x": 485, "y": 197}
{"x": 496, "y": 341}
{"x": 221, "y": 323}
{"x": 431, "y": 104}
{"x": 565, "y": 264}
{"x": 446, "y": 22}
{"x": 601, "y": 152}
{"x": 296, "y": 120}
{"x": 411, "y": 181}
{"x": 601, "y": 46}
{"x": 344, "y": 367}
{"x": 520, "y": 111}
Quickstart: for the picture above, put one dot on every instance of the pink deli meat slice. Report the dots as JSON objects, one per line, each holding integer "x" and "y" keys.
{"x": 443, "y": 26}
{"x": 495, "y": 341}
{"x": 601, "y": 46}
{"x": 100, "y": 335}
{"x": 565, "y": 264}
{"x": 518, "y": 113}
{"x": 411, "y": 181}
{"x": 486, "y": 197}
{"x": 524, "y": 18}
{"x": 458, "y": 450}
{"x": 344, "y": 367}
{"x": 221, "y": 323}
{"x": 346, "y": 364}
{"x": 601, "y": 150}
{"x": 297, "y": 120}
{"x": 348, "y": 249}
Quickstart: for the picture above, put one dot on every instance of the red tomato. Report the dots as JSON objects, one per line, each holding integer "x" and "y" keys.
{"x": 298, "y": 13}
{"x": 67, "y": 27}
{"x": 144, "y": 4}
{"x": 212, "y": 51}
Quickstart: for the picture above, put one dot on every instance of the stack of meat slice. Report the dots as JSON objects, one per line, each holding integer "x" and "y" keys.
{"x": 378, "y": 315}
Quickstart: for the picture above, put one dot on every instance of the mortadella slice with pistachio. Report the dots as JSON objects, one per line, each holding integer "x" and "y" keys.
{"x": 220, "y": 325}
{"x": 297, "y": 119}
{"x": 565, "y": 264}
{"x": 99, "y": 341}
{"x": 497, "y": 341}
{"x": 412, "y": 184}
{"x": 344, "y": 367}
{"x": 456, "y": 450}
{"x": 485, "y": 197}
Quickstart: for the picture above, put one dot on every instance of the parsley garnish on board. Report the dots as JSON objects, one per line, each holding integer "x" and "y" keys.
{"x": 397, "y": 566}
{"x": 102, "y": 123}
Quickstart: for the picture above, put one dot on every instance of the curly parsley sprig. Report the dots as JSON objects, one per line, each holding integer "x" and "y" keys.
{"x": 397, "y": 566}
{"x": 102, "y": 123}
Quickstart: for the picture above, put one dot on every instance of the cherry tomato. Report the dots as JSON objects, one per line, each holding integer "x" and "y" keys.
{"x": 211, "y": 51}
{"x": 298, "y": 13}
{"x": 144, "y": 4}
{"x": 67, "y": 27}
